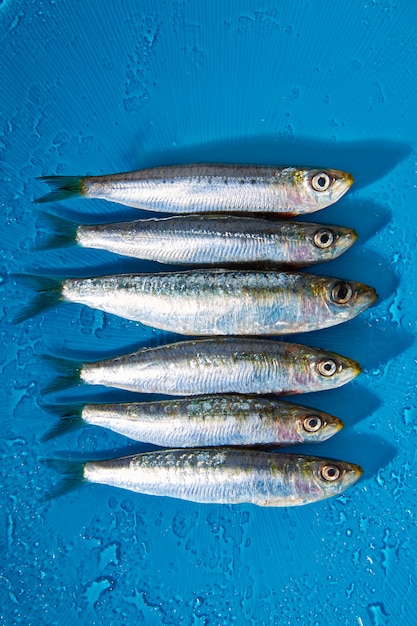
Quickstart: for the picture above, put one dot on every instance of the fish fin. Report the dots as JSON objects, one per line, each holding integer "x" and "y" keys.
{"x": 48, "y": 295}
{"x": 69, "y": 419}
{"x": 72, "y": 473}
{"x": 64, "y": 187}
{"x": 63, "y": 233}
{"x": 68, "y": 373}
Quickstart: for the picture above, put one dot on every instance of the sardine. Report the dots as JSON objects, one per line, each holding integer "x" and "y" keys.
{"x": 217, "y": 476}
{"x": 209, "y": 240}
{"x": 229, "y": 420}
{"x": 218, "y": 365}
{"x": 210, "y": 188}
{"x": 215, "y": 302}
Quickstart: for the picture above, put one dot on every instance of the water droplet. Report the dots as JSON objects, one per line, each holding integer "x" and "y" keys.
{"x": 183, "y": 523}
{"x": 380, "y": 477}
{"x": 377, "y": 614}
{"x": 350, "y": 590}
{"x": 408, "y": 415}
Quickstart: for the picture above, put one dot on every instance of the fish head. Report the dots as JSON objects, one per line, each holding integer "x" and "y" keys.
{"x": 331, "y": 477}
{"x": 328, "y": 242}
{"x": 342, "y": 299}
{"x": 319, "y": 188}
{"x": 314, "y": 426}
{"x": 328, "y": 370}
{"x": 312, "y": 479}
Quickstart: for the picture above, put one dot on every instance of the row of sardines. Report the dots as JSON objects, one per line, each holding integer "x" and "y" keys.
{"x": 229, "y": 224}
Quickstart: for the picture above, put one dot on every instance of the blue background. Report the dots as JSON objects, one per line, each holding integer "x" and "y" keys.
{"x": 100, "y": 87}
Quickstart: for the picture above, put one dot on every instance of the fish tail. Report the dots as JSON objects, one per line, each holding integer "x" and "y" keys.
{"x": 67, "y": 373}
{"x": 63, "y": 233}
{"x": 63, "y": 187}
{"x": 48, "y": 294}
{"x": 72, "y": 476}
{"x": 70, "y": 418}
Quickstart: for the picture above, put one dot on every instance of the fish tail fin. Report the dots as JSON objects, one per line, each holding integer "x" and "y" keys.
{"x": 63, "y": 187}
{"x": 63, "y": 233}
{"x": 70, "y": 418}
{"x": 67, "y": 373}
{"x": 72, "y": 473}
{"x": 48, "y": 294}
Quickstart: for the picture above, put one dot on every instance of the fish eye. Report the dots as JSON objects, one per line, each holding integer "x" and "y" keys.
{"x": 323, "y": 238}
{"x": 330, "y": 473}
{"x": 312, "y": 423}
{"x": 327, "y": 367}
{"x": 321, "y": 181}
{"x": 342, "y": 293}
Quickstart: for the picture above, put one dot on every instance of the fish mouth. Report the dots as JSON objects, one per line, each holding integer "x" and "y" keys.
{"x": 331, "y": 429}
{"x": 336, "y": 426}
{"x": 352, "y": 475}
{"x": 348, "y": 180}
{"x": 342, "y": 182}
{"x": 352, "y": 370}
{"x": 365, "y": 297}
{"x": 371, "y": 295}
{"x": 345, "y": 241}
{"x": 351, "y": 236}
{"x": 344, "y": 179}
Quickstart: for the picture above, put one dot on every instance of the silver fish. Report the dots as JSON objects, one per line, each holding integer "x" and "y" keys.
{"x": 217, "y": 476}
{"x": 216, "y": 302}
{"x": 208, "y": 366}
{"x": 209, "y": 240}
{"x": 211, "y": 188}
{"x": 228, "y": 420}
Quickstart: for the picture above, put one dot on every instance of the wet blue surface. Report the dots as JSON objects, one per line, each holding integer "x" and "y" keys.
{"x": 99, "y": 87}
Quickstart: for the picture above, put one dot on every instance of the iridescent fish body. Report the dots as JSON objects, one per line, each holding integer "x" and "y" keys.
{"x": 217, "y": 365}
{"x": 216, "y": 420}
{"x": 210, "y": 240}
{"x": 219, "y": 476}
{"x": 211, "y": 188}
{"x": 218, "y": 302}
